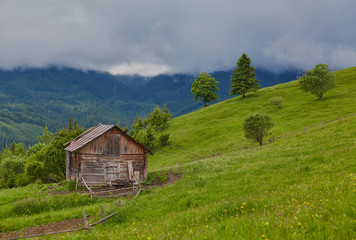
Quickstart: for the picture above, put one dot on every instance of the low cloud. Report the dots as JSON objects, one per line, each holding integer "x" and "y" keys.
{"x": 144, "y": 69}
{"x": 152, "y": 37}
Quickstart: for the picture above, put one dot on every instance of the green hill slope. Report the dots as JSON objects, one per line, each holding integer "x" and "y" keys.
{"x": 299, "y": 187}
{"x": 218, "y": 129}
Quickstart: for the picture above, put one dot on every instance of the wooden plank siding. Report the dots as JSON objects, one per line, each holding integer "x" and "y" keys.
{"x": 111, "y": 156}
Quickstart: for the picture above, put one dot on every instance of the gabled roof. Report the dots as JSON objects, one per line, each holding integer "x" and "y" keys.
{"x": 90, "y": 135}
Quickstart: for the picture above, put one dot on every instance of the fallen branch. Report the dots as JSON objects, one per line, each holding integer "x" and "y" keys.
{"x": 101, "y": 220}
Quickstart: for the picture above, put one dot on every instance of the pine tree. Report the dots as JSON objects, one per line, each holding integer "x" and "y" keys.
{"x": 243, "y": 79}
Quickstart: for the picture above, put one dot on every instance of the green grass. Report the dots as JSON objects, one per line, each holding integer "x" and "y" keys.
{"x": 300, "y": 187}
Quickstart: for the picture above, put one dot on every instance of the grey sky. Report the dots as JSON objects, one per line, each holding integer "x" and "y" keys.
{"x": 150, "y": 37}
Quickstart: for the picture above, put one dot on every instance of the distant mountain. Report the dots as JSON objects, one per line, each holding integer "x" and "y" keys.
{"x": 33, "y": 98}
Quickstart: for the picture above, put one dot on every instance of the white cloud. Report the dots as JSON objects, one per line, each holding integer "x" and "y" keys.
{"x": 144, "y": 69}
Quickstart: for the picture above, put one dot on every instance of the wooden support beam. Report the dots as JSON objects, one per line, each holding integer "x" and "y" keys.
{"x": 137, "y": 193}
{"x": 85, "y": 219}
{"x": 102, "y": 212}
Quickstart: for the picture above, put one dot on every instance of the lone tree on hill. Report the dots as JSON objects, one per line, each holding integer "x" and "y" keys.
{"x": 204, "y": 87}
{"x": 243, "y": 79}
{"x": 256, "y": 126}
{"x": 318, "y": 80}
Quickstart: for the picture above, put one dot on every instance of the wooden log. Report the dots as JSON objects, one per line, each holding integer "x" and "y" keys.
{"x": 101, "y": 220}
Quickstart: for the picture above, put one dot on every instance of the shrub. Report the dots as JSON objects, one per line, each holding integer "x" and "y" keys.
{"x": 276, "y": 101}
{"x": 66, "y": 186}
{"x": 163, "y": 139}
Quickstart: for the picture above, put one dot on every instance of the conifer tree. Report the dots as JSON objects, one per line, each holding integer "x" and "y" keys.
{"x": 243, "y": 79}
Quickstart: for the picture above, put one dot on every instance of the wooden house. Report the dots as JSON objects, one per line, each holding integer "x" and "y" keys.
{"x": 105, "y": 155}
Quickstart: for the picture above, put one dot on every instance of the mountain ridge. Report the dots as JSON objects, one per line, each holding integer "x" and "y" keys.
{"x": 32, "y": 98}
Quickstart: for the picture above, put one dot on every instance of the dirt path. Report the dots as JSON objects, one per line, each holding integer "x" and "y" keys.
{"x": 46, "y": 228}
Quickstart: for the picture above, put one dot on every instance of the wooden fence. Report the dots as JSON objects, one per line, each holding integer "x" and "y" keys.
{"x": 321, "y": 125}
{"x": 85, "y": 220}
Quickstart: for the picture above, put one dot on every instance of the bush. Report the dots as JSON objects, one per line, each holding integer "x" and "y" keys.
{"x": 163, "y": 139}
{"x": 66, "y": 186}
{"x": 276, "y": 101}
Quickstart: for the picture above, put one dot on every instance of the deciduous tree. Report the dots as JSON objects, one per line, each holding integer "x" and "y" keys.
{"x": 256, "y": 126}
{"x": 318, "y": 80}
{"x": 204, "y": 87}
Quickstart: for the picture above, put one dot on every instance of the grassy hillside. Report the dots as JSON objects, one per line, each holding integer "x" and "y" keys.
{"x": 300, "y": 187}
{"x": 218, "y": 129}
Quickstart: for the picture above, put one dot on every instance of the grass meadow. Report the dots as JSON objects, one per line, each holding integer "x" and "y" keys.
{"x": 299, "y": 187}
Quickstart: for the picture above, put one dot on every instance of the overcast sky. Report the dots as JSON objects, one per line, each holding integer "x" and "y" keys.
{"x": 173, "y": 36}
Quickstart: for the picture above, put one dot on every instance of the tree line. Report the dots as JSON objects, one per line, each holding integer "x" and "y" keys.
{"x": 44, "y": 161}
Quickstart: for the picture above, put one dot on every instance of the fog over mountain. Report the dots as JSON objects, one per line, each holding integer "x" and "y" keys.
{"x": 152, "y": 37}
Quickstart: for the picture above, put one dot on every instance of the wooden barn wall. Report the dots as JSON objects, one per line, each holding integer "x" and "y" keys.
{"x": 98, "y": 170}
{"x": 127, "y": 146}
{"x": 112, "y": 143}
{"x": 74, "y": 165}
{"x": 111, "y": 156}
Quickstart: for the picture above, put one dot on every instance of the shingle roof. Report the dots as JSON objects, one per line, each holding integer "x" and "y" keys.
{"x": 88, "y": 136}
